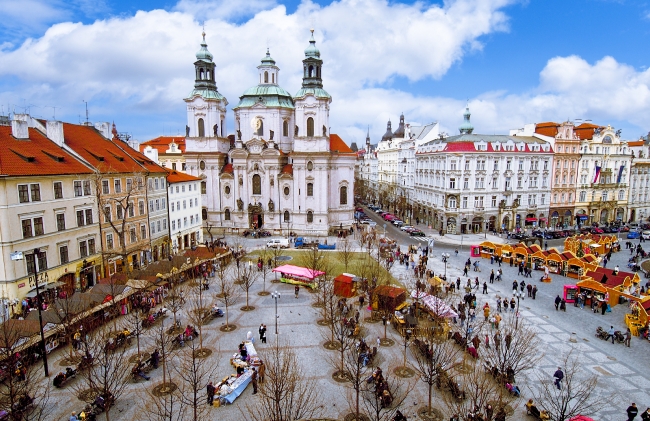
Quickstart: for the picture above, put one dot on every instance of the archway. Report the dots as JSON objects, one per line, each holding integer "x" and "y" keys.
{"x": 477, "y": 224}
{"x": 451, "y": 225}
{"x": 555, "y": 219}
{"x": 255, "y": 216}
{"x": 463, "y": 225}
{"x": 604, "y": 215}
{"x": 542, "y": 221}
{"x": 619, "y": 214}
{"x": 492, "y": 223}
{"x": 568, "y": 217}
{"x": 505, "y": 223}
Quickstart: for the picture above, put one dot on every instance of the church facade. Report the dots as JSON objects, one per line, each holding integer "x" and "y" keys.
{"x": 283, "y": 170}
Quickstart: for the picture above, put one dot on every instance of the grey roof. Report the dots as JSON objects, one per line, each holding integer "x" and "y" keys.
{"x": 420, "y": 132}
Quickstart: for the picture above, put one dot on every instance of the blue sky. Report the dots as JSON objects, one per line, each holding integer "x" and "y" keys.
{"x": 516, "y": 61}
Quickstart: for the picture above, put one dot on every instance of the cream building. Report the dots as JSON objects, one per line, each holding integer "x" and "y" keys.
{"x": 184, "y": 210}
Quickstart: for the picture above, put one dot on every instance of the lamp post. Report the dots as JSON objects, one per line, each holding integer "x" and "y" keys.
{"x": 518, "y": 295}
{"x": 37, "y": 253}
{"x": 445, "y": 256}
{"x": 406, "y": 341}
{"x": 386, "y": 322}
{"x": 275, "y": 295}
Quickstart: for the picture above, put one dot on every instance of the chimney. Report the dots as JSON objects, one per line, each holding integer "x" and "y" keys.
{"x": 55, "y": 132}
{"x": 151, "y": 153}
{"x": 19, "y": 127}
{"x": 104, "y": 128}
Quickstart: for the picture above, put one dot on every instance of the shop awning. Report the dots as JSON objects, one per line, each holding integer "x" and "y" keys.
{"x": 582, "y": 216}
{"x": 531, "y": 219}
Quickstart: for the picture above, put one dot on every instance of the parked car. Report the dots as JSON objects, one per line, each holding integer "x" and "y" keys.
{"x": 633, "y": 235}
{"x": 625, "y": 229}
{"x": 597, "y": 230}
{"x": 278, "y": 243}
{"x": 518, "y": 236}
{"x": 406, "y": 227}
{"x": 416, "y": 233}
{"x": 645, "y": 235}
{"x": 369, "y": 223}
{"x": 397, "y": 222}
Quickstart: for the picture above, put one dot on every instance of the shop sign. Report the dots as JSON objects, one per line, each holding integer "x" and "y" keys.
{"x": 16, "y": 255}
{"x": 42, "y": 280}
{"x": 21, "y": 285}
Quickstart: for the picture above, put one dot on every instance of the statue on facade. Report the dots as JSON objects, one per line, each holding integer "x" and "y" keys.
{"x": 187, "y": 131}
{"x": 597, "y": 130}
{"x": 271, "y": 133}
{"x": 296, "y": 131}
{"x": 271, "y": 206}
{"x": 240, "y": 204}
{"x": 238, "y": 134}
{"x": 324, "y": 131}
{"x": 618, "y": 132}
{"x": 215, "y": 130}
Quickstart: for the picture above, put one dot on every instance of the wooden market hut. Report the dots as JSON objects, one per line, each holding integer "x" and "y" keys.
{"x": 488, "y": 249}
{"x": 506, "y": 252}
{"x": 520, "y": 253}
{"x": 344, "y": 285}
{"x": 387, "y": 298}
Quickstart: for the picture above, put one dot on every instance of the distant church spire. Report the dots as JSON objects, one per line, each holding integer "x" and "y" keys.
{"x": 204, "y": 67}
{"x": 312, "y": 65}
{"x": 466, "y": 127}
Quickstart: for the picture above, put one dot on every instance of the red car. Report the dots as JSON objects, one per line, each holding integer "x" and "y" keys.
{"x": 597, "y": 230}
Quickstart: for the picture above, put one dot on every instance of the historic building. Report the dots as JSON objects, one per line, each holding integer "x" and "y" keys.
{"x": 639, "y": 188}
{"x": 167, "y": 151}
{"x": 184, "y": 210}
{"x": 472, "y": 182}
{"x": 283, "y": 171}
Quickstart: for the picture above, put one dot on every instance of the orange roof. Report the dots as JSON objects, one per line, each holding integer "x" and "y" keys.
{"x": 635, "y": 143}
{"x": 228, "y": 169}
{"x": 179, "y": 177}
{"x": 37, "y": 155}
{"x": 586, "y": 130}
{"x": 338, "y": 145}
{"x": 287, "y": 169}
{"x": 548, "y": 128}
{"x": 161, "y": 143}
{"x": 106, "y": 154}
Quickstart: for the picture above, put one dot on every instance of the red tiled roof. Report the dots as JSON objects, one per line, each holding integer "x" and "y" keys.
{"x": 37, "y": 155}
{"x": 162, "y": 143}
{"x": 104, "y": 154}
{"x": 179, "y": 177}
{"x": 586, "y": 130}
{"x": 338, "y": 145}
{"x": 460, "y": 147}
{"x": 287, "y": 169}
{"x": 635, "y": 143}
{"x": 228, "y": 169}
{"x": 548, "y": 128}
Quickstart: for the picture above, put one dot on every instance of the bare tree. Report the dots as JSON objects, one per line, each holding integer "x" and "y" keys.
{"x": 344, "y": 342}
{"x": 575, "y": 396}
{"x": 194, "y": 372}
{"x": 228, "y": 296}
{"x": 248, "y": 275}
{"x": 162, "y": 407}
{"x": 275, "y": 253}
{"x": 199, "y": 313}
{"x": 175, "y": 299}
{"x": 514, "y": 350}
{"x": 355, "y": 358}
{"x": 433, "y": 355}
{"x": 376, "y": 407}
{"x": 473, "y": 392}
{"x": 22, "y": 386}
{"x": 345, "y": 251}
{"x": 265, "y": 269}
{"x": 286, "y": 393}
{"x": 108, "y": 372}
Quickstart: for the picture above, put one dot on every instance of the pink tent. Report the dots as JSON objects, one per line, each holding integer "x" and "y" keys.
{"x": 436, "y": 305}
{"x": 292, "y": 270}
{"x": 581, "y": 418}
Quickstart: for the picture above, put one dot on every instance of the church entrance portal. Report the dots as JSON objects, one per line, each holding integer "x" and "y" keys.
{"x": 255, "y": 216}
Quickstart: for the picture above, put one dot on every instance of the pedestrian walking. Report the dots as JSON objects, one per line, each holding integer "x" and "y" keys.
{"x": 558, "y": 376}
{"x": 529, "y": 288}
{"x": 558, "y": 300}
{"x": 646, "y": 415}
{"x": 498, "y": 304}
{"x": 263, "y": 337}
{"x": 296, "y": 290}
{"x": 603, "y": 307}
{"x": 254, "y": 381}
{"x": 513, "y": 304}
{"x": 522, "y": 286}
{"x": 261, "y": 330}
{"x": 515, "y": 286}
{"x": 485, "y": 291}
{"x": 534, "y": 291}
{"x": 210, "y": 389}
{"x": 492, "y": 276}
{"x": 632, "y": 412}
{"x": 73, "y": 416}
{"x": 378, "y": 342}
{"x": 628, "y": 337}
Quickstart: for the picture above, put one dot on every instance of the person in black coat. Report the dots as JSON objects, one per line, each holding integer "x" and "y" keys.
{"x": 632, "y": 412}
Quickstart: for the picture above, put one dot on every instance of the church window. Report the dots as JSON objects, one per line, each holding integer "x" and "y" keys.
{"x": 201, "y": 128}
{"x": 257, "y": 184}
{"x": 311, "y": 71}
{"x": 273, "y": 77}
{"x": 226, "y": 190}
{"x": 310, "y": 127}
{"x": 201, "y": 74}
{"x": 204, "y": 187}
{"x": 260, "y": 127}
{"x": 202, "y": 165}
{"x": 286, "y": 216}
{"x": 310, "y": 166}
{"x": 286, "y": 191}
{"x": 344, "y": 195}
{"x": 310, "y": 189}
{"x": 285, "y": 128}
{"x": 226, "y": 215}
{"x": 266, "y": 77}
{"x": 310, "y": 216}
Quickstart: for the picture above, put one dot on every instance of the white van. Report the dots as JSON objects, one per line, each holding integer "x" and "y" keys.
{"x": 282, "y": 243}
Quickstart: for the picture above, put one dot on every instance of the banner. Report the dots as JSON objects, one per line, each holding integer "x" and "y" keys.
{"x": 597, "y": 174}
{"x": 620, "y": 174}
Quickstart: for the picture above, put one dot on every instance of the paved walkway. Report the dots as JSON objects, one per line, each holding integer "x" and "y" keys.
{"x": 620, "y": 369}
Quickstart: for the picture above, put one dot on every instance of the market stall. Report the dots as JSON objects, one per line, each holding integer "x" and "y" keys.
{"x": 592, "y": 289}
{"x": 387, "y": 298}
{"x": 506, "y": 253}
{"x": 488, "y": 249}
{"x": 344, "y": 285}
{"x": 570, "y": 293}
{"x": 475, "y": 251}
{"x": 554, "y": 262}
{"x": 298, "y": 275}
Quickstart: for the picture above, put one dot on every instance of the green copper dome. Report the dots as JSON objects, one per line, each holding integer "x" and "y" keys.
{"x": 267, "y": 94}
{"x": 203, "y": 53}
{"x": 267, "y": 60}
{"x": 312, "y": 51}
{"x": 466, "y": 127}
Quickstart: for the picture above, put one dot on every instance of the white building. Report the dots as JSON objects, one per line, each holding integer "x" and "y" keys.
{"x": 284, "y": 171}
{"x": 184, "y": 210}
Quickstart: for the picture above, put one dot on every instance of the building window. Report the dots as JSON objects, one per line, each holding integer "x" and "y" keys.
{"x": 452, "y": 183}
{"x": 310, "y": 189}
{"x": 157, "y": 204}
{"x": 204, "y": 188}
{"x": 286, "y": 191}
{"x": 109, "y": 241}
{"x": 23, "y": 193}
{"x": 173, "y": 207}
{"x": 343, "y": 199}
{"x": 105, "y": 188}
{"x": 184, "y": 204}
{"x": 201, "y": 128}
{"x": 310, "y": 127}
{"x": 107, "y": 214}
{"x": 204, "y": 214}
{"x": 134, "y": 237}
{"x": 257, "y": 184}
{"x": 32, "y": 227}
{"x": 310, "y": 216}
{"x": 583, "y": 196}
{"x": 173, "y": 225}
{"x": 494, "y": 201}
{"x": 120, "y": 211}
{"x": 174, "y": 166}
{"x": 158, "y": 229}
{"x": 285, "y": 128}
{"x": 78, "y": 189}
{"x": 63, "y": 254}
{"x": 286, "y": 216}
{"x": 34, "y": 263}
{"x": 150, "y": 206}
{"x": 226, "y": 215}
{"x": 118, "y": 186}
{"x": 143, "y": 231}
{"x": 58, "y": 190}
{"x": 131, "y": 210}
{"x": 464, "y": 202}
{"x": 452, "y": 202}
{"x": 310, "y": 166}
{"x": 466, "y": 183}
{"x": 83, "y": 249}
{"x": 141, "y": 207}
{"x": 185, "y": 222}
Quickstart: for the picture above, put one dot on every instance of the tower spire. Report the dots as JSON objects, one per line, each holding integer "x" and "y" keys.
{"x": 466, "y": 127}
{"x": 312, "y": 65}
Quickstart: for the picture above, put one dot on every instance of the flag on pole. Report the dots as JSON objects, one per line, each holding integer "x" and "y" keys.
{"x": 620, "y": 174}
{"x": 597, "y": 174}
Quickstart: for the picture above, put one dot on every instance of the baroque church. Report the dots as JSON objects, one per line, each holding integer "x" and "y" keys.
{"x": 282, "y": 171}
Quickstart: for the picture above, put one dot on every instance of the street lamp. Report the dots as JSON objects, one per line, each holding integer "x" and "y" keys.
{"x": 406, "y": 341}
{"x": 518, "y": 295}
{"x": 275, "y": 295}
{"x": 445, "y": 257}
{"x": 37, "y": 253}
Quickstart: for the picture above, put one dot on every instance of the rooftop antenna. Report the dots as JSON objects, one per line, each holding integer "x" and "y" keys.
{"x": 53, "y": 113}
{"x": 86, "y": 102}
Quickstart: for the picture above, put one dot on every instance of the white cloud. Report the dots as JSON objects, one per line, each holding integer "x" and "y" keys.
{"x": 223, "y": 9}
